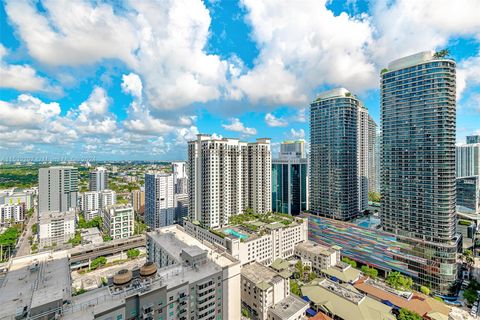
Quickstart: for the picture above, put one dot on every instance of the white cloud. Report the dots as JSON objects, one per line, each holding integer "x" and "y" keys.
{"x": 301, "y": 115}
{"x": 297, "y": 134}
{"x": 96, "y": 104}
{"x": 273, "y": 121}
{"x": 468, "y": 74}
{"x": 237, "y": 126}
{"x": 22, "y": 77}
{"x": 27, "y": 112}
{"x": 132, "y": 84}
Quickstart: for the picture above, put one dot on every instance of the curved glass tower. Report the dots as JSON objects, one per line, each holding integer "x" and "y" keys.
{"x": 418, "y": 162}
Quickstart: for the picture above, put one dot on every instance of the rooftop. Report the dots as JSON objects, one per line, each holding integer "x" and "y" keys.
{"x": 333, "y": 93}
{"x": 288, "y": 307}
{"x": 35, "y": 280}
{"x": 343, "y": 271}
{"x": 315, "y": 248}
{"x": 345, "y": 301}
{"x": 411, "y": 60}
{"x": 259, "y": 274}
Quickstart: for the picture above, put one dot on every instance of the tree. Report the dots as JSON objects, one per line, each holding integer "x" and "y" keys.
{"x": 98, "y": 262}
{"x": 370, "y": 272}
{"x": 350, "y": 262}
{"x": 397, "y": 281}
{"x": 470, "y": 295}
{"x": 374, "y": 196}
{"x": 425, "y": 290}
{"x": 34, "y": 228}
{"x": 133, "y": 253}
{"x": 441, "y": 54}
{"x": 295, "y": 287}
{"x": 245, "y": 313}
{"x": 405, "y": 314}
{"x": 76, "y": 240}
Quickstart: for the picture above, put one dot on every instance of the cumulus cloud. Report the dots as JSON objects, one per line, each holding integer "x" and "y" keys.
{"x": 296, "y": 134}
{"x": 237, "y": 126}
{"x": 273, "y": 121}
{"x": 132, "y": 84}
{"x": 27, "y": 112}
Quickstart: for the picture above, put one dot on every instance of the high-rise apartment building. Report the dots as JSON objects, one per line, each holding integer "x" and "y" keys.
{"x": 57, "y": 189}
{"x": 468, "y": 158}
{"x": 418, "y": 162}
{"x": 372, "y": 156}
{"x": 56, "y": 228}
{"x": 378, "y": 148}
{"x": 227, "y": 176}
{"x": 98, "y": 179}
{"x": 339, "y": 139}
{"x": 93, "y": 203}
{"x": 180, "y": 178}
{"x": 290, "y": 179}
{"x": 159, "y": 200}
{"x": 11, "y": 214}
{"x": 468, "y": 195}
{"x": 138, "y": 201}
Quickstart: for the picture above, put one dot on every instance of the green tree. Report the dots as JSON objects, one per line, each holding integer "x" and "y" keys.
{"x": 405, "y": 314}
{"x": 295, "y": 288}
{"x": 374, "y": 196}
{"x": 76, "y": 240}
{"x": 350, "y": 262}
{"x": 245, "y": 313}
{"x": 370, "y": 272}
{"x": 397, "y": 281}
{"x": 425, "y": 290}
{"x": 470, "y": 294}
{"x": 98, "y": 262}
{"x": 34, "y": 228}
{"x": 441, "y": 54}
{"x": 133, "y": 253}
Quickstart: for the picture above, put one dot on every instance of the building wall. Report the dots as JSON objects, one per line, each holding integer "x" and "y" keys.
{"x": 468, "y": 160}
{"x": 57, "y": 189}
{"x": 289, "y": 185}
{"x": 11, "y": 213}
{"x": 56, "y": 227}
{"x": 98, "y": 180}
{"x": 118, "y": 221}
{"x": 159, "y": 200}
{"x": 372, "y": 155}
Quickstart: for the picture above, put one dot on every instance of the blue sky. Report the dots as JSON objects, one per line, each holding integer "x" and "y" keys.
{"x": 138, "y": 79}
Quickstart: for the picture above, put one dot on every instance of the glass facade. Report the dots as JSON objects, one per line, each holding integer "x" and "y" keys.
{"x": 418, "y": 163}
{"x": 334, "y": 183}
{"x": 468, "y": 195}
{"x": 289, "y": 185}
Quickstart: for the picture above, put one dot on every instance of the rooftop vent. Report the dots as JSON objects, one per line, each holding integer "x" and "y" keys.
{"x": 123, "y": 277}
{"x": 148, "y": 269}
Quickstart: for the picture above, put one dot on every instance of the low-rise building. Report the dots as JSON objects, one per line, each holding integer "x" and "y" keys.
{"x": 343, "y": 301}
{"x": 342, "y": 272}
{"x": 256, "y": 240}
{"x": 320, "y": 256}
{"x": 11, "y": 213}
{"x": 118, "y": 221}
{"x": 56, "y": 228}
{"x": 16, "y": 196}
{"x": 290, "y": 308}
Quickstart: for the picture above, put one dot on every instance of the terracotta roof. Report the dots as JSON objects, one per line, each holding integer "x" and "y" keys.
{"x": 419, "y": 303}
{"x": 320, "y": 316}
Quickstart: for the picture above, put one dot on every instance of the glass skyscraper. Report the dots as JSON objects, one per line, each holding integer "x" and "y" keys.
{"x": 290, "y": 179}
{"x": 339, "y": 155}
{"x": 418, "y": 163}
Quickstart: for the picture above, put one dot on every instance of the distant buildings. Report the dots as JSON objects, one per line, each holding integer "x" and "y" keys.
{"x": 418, "y": 162}
{"x": 17, "y": 196}
{"x": 98, "y": 179}
{"x": 339, "y": 155}
{"x": 180, "y": 178}
{"x": 468, "y": 195}
{"x": 57, "y": 190}
{"x": 290, "y": 179}
{"x": 118, "y": 221}
{"x": 56, "y": 228}
{"x": 266, "y": 294}
{"x": 138, "y": 201}
{"x": 263, "y": 242}
{"x": 227, "y": 176}
{"x": 468, "y": 158}
{"x": 11, "y": 213}
{"x": 320, "y": 257}
{"x": 199, "y": 282}
{"x": 373, "y": 177}
{"x": 159, "y": 200}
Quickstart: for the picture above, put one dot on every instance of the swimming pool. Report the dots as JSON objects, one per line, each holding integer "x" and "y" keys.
{"x": 235, "y": 233}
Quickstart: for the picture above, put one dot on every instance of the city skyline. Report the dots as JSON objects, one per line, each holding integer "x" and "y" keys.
{"x": 62, "y": 99}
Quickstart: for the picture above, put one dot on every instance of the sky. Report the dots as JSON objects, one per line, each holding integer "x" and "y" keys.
{"x": 136, "y": 80}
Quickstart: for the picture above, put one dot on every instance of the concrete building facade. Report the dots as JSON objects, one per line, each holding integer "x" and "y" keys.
{"x": 56, "y": 228}
{"x": 159, "y": 200}
{"x": 57, "y": 189}
{"x": 11, "y": 213}
{"x": 98, "y": 179}
{"x": 119, "y": 221}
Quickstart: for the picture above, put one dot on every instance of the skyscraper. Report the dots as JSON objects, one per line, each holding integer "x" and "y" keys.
{"x": 290, "y": 179}
{"x": 372, "y": 156}
{"x": 418, "y": 162}
{"x": 98, "y": 179}
{"x": 468, "y": 158}
{"x": 179, "y": 169}
{"x": 339, "y": 126}
{"x": 57, "y": 189}
{"x": 159, "y": 199}
{"x": 227, "y": 176}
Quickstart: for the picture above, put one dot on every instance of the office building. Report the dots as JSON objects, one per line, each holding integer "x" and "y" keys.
{"x": 56, "y": 228}
{"x": 159, "y": 200}
{"x": 339, "y": 140}
{"x": 290, "y": 179}
{"x": 418, "y": 162}
{"x": 93, "y": 203}
{"x": 468, "y": 158}
{"x": 57, "y": 189}
{"x": 11, "y": 214}
{"x": 98, "y": 179}
{"x": 319, "y": 256}
{"x": 264, "y": 291}
{"x": 180, "y": 178}
{"x": 207, "y": 279}
{"x": 138, "y": 201}
{"x": 372, "y": 156}
{"x": 118, "y": 221}
{"x": 255, "y": 240}
{"x": 468, "y": 195}
{"x": 227, "y": 176}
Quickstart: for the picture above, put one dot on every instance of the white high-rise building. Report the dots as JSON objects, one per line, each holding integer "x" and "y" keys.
{"x": 180, "y": 177}
{"x": 11, "y": 213}
{"x": 93, "y": 203}
{"x": 159, "y": 200}
{"x": 57, "y": 189}
{"x": 226, "y": 177}
{"x": 98, "y": 179}
{"x": 468, "y": 158}
{"x": 372, "y": 155}
{"x": 363, "y": 157}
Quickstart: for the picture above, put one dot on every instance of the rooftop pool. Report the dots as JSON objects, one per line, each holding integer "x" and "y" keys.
{"x": 235, "y": 233}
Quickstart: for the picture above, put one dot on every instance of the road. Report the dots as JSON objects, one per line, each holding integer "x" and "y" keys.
{"x": 23, "y": 245}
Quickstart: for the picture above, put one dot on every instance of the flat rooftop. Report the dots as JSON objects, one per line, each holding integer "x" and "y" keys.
{"x": 35, "y": 280}
{"x": 315, "y": 248}
{"x": 258, "y": 273}
{"x": 288, "y": 307}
